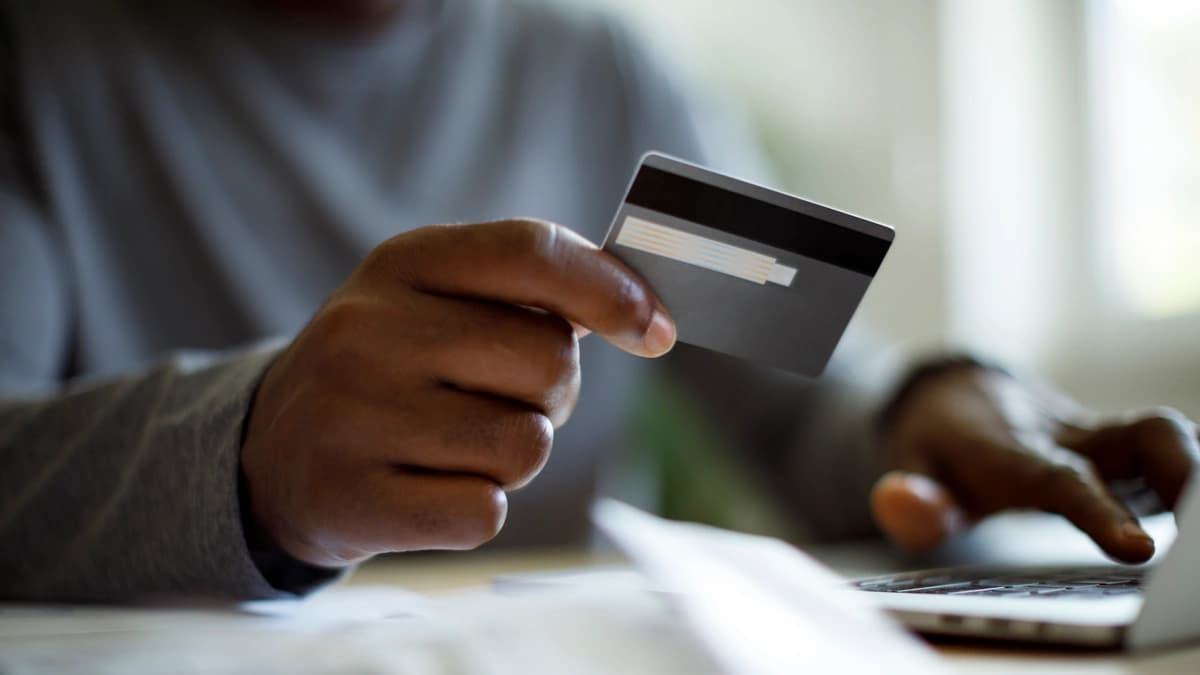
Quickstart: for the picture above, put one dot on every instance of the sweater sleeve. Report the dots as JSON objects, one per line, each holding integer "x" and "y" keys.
{"x": 121, "y": 489}
{"x": 128, "y": 489}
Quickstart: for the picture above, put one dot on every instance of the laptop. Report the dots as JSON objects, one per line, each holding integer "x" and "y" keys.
{"x": 1115, "y": 606}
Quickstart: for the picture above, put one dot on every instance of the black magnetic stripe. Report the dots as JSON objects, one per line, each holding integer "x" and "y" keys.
{"x": 754, "y": 219}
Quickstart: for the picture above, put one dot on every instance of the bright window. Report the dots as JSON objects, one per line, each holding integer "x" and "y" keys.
{"x": 1146, "y": 59}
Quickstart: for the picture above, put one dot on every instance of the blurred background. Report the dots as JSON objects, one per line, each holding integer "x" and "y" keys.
{"x": 1039, "y": 160}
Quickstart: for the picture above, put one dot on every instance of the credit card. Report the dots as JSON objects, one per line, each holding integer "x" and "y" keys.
{"x": 745, "y": 270}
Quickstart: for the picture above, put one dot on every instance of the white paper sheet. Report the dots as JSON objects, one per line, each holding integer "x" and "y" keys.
{"x": 759, "y": 605}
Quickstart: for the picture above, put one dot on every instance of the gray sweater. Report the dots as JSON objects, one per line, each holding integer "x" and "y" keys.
{"x": 182, "y": 183}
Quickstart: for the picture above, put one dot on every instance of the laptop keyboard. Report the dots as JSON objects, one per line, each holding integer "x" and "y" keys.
{"x": 1086, "y": 582}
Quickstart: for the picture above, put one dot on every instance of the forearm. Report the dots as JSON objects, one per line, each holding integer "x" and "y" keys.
{"x": 129, "y": 489}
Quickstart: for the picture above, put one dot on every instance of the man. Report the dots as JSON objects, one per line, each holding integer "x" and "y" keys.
{"x": 200, "y": 175}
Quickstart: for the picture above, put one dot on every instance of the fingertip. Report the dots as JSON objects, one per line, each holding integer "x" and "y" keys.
{"x": 490, "y": 518}
{"x": 660, "y": 336}
{"x": 916, "y": 512}
{"x": 1136, "y": 546}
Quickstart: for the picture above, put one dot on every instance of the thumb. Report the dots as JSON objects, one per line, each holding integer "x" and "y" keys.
{"x": 915, "y": 511}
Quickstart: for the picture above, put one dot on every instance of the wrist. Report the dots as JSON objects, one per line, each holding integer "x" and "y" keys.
{"x": 280, "y": 569}
{"x": 283, "y": 571}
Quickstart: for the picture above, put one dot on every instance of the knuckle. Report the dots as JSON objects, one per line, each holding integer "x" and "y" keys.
{"x": 1059, "y": 481}
{"x": 387, "y": 256}
{"x": 400, "y": 257}
{"x": 558, "y": 361}
{"x": 477, "y": 519}
{"x": 338, "y": 326}
{"x": 534, "y": 236}
{"x": 1163, "y": 424}
{"x": 489, "y": 515}
{"x": 628, "y": 304}
{"x": 530, "y": 439}
{"x": 561, "y": 403}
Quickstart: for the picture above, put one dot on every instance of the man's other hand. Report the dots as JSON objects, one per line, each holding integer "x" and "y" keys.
{"x": 430, "y": 384}
{"x": 970, "y": 442}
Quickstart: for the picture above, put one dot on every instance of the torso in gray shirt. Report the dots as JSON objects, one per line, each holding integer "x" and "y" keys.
{"x": 210, "y": 178}
{"x": 187, "y": 175}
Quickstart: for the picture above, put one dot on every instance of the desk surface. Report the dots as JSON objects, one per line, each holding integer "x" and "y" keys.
{"x": 61, "y": 641}
{"x": 1045, "y": 541}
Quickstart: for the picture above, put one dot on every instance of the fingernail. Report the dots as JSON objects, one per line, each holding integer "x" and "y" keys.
{"x": 660, "y": 336}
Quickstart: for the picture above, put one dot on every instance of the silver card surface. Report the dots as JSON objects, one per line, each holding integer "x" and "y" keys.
{"x": 745, "y": 270}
